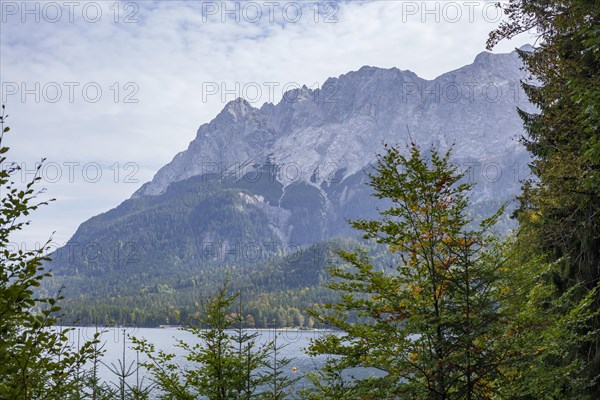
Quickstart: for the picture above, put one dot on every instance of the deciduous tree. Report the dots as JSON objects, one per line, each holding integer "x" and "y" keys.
{"x": 37, "y": 360}
{"x": 429, "y": 322}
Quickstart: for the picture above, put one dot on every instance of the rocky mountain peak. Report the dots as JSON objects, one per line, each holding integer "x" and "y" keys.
{"x": 344, "y": 122}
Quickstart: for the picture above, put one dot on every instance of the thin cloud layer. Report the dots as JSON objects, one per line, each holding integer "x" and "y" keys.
{"x": 107, "y": 85}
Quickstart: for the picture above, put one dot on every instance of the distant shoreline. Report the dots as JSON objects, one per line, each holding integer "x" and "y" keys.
{"x": 167, "y": 327}
{"x": 257, "y": 329}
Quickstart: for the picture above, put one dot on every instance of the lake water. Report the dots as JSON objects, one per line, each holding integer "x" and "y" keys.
{"x": 117, "y": 346}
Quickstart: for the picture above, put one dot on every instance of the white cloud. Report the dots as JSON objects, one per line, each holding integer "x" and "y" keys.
{"x": 167, "y": 59}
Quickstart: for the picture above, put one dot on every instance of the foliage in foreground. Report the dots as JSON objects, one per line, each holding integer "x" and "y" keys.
{"x": 459, "y": 317}
{"x": 36, "y": 359}
{"x": 559, "y": 215}
{"x": 222, "y": 365}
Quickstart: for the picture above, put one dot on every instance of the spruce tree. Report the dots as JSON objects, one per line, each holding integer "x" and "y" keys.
{"x": 223, "y": 365}
{"x": 559, "y": 214}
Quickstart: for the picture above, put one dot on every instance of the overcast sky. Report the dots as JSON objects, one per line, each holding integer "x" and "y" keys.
{"x": 110, "y": 91}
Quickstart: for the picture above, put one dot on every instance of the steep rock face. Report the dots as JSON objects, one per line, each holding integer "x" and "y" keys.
{"x": 343, "y": 124}
{"x": 296, "y": 171}
{"x": 326, "y": 138}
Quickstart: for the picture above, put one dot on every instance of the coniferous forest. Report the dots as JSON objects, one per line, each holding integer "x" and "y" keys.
{"x": 443, "y": 303}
